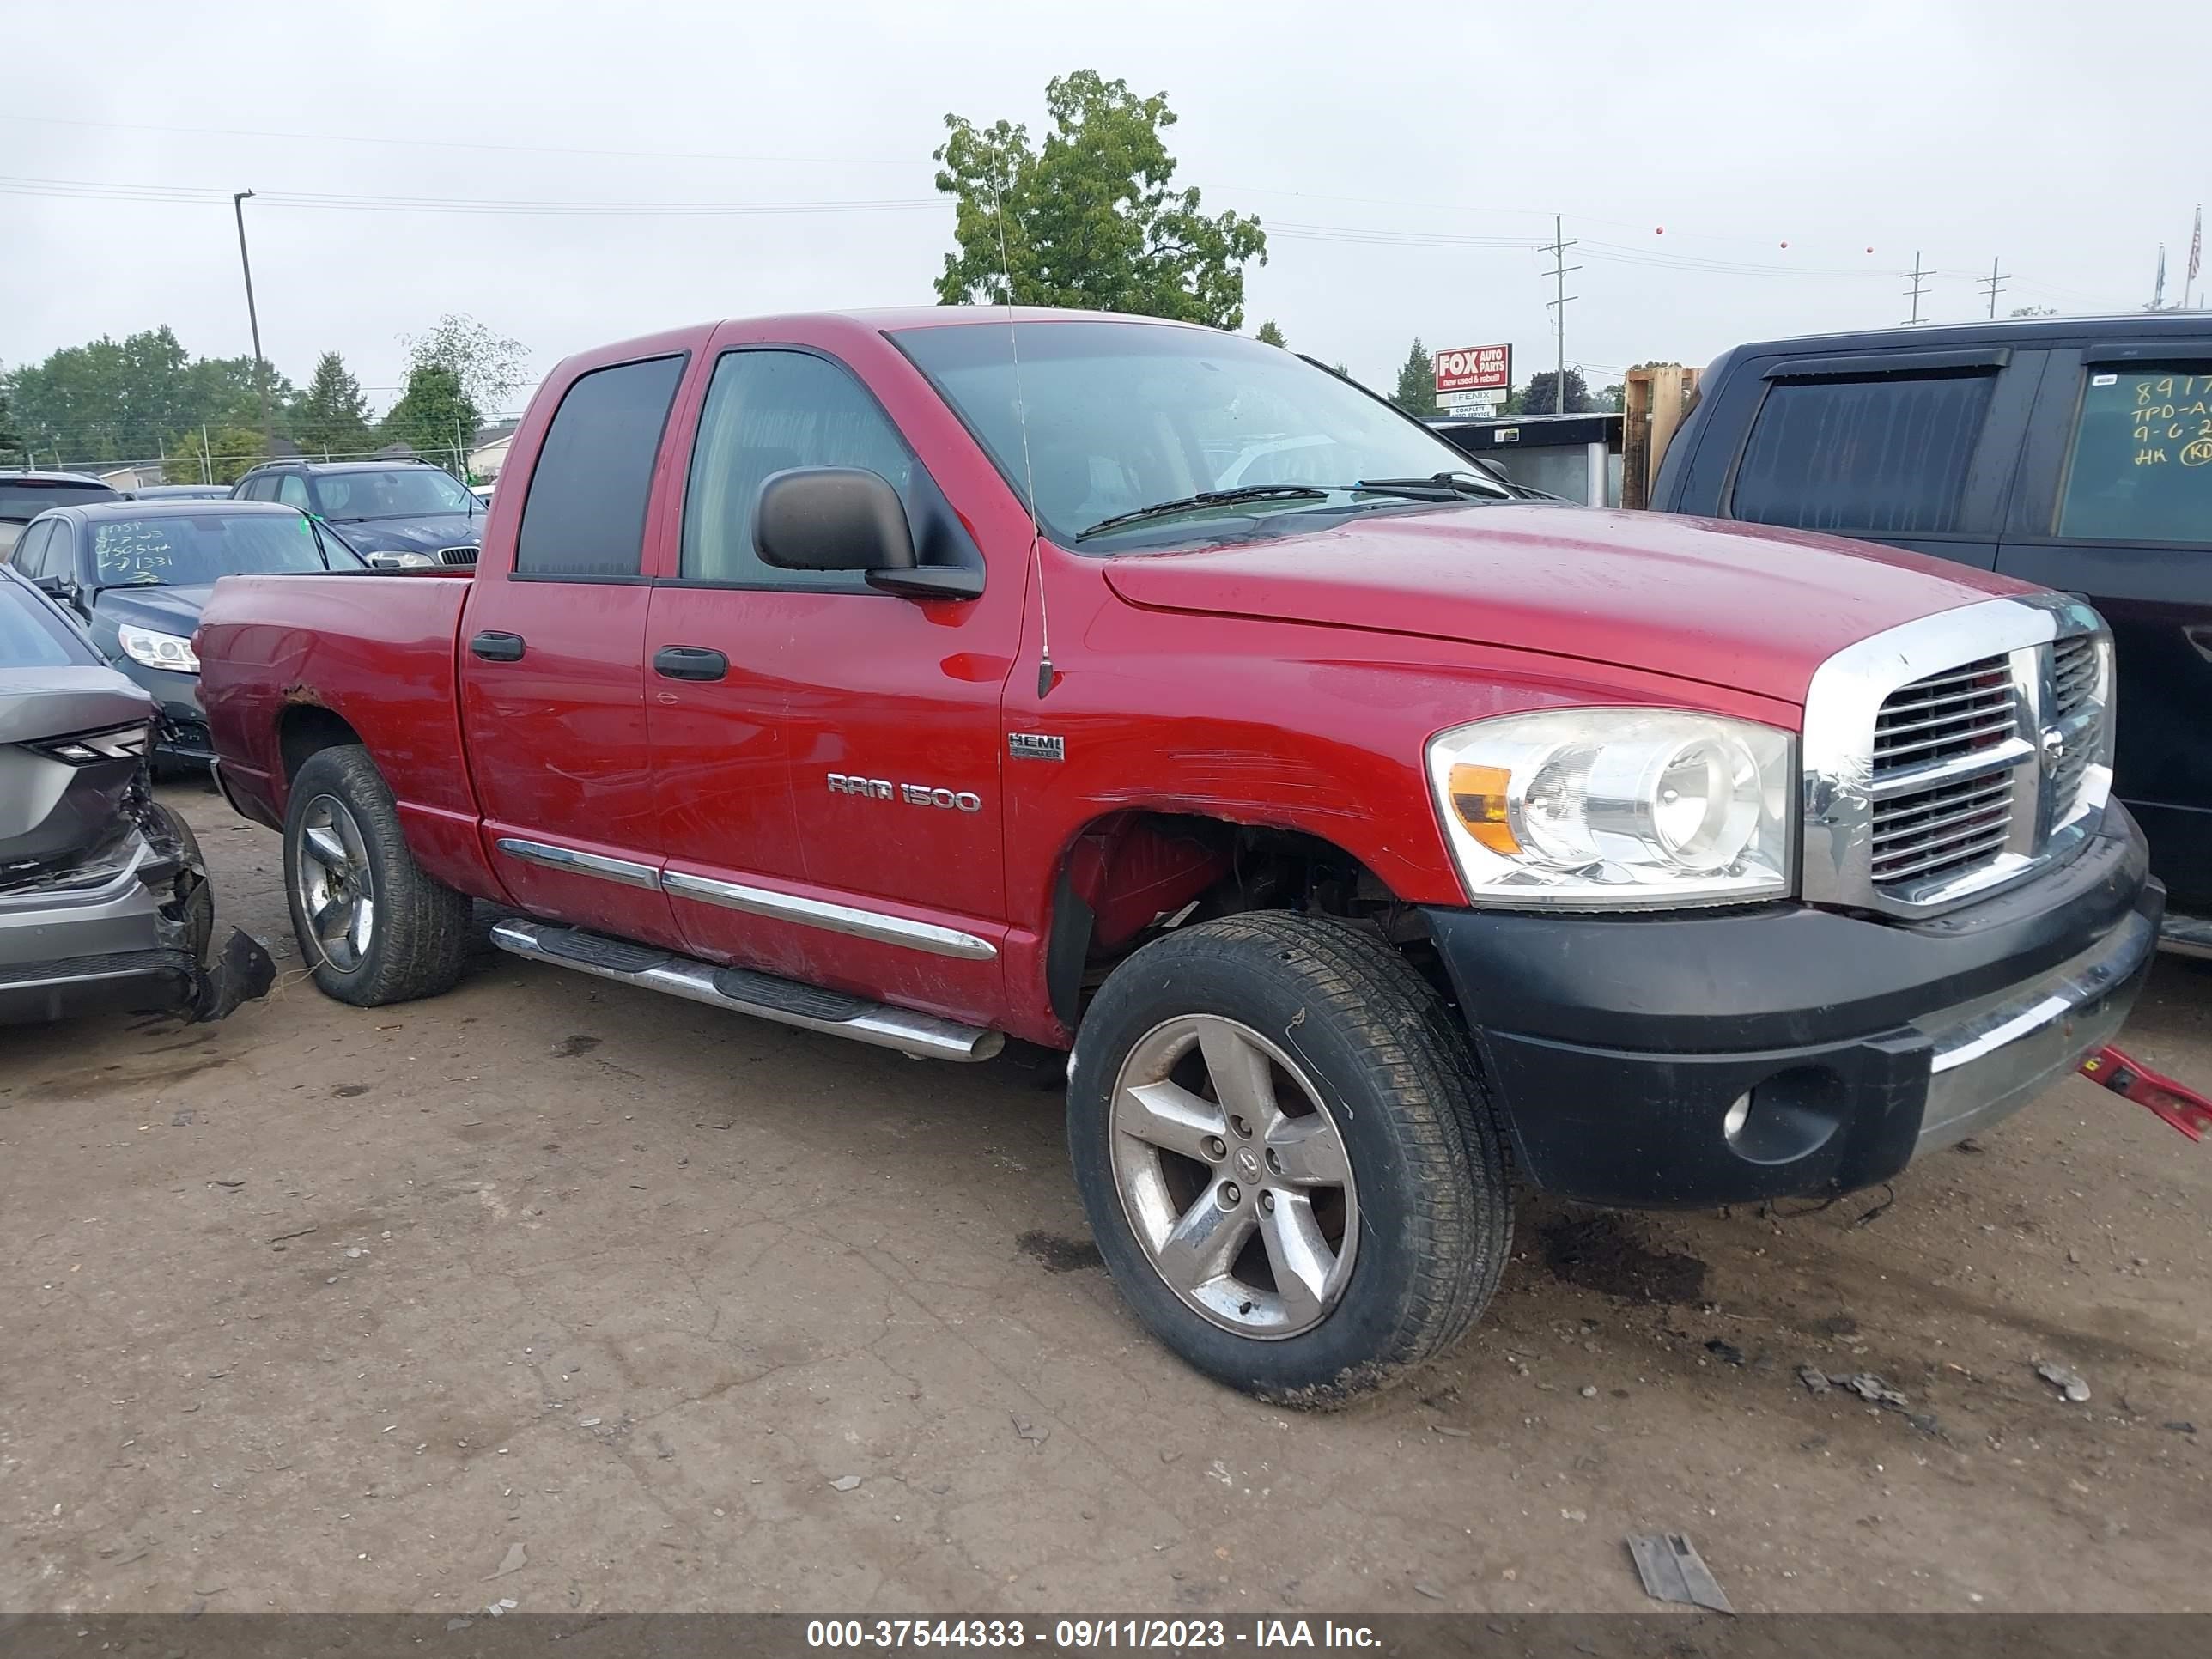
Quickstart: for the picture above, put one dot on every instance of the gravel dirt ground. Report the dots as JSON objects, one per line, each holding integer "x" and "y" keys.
{"x": 554, "y": 1291}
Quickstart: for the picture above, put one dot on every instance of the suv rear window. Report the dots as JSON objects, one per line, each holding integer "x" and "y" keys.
{"x": 2142, "y": 467}
{"x": 585, "y": 515}
{"x": 33, "y": 634}
{"x": 1888, "y": 456}
{"x": 22, "y": 499}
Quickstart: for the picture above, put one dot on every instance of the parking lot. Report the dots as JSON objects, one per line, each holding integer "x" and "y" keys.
{"x": 561, "y": 1292}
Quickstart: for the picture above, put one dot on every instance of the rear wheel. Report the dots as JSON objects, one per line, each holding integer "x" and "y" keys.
{"x": 372, "y": 928}
{"x": 1287, "y": 1157}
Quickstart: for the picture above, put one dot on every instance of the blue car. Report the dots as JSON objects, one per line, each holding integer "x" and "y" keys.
{"x": 394, "y": 513}
{"x": 135, "y": 574}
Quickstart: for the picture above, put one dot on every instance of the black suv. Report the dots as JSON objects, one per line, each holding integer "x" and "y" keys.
{"x": 2072, "y": 452}
{"x": 389, "y": 512}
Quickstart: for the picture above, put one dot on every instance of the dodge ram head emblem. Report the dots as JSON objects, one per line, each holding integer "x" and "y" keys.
{"x": 2054, "y": 748}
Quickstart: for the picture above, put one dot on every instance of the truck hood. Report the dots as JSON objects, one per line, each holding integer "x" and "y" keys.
{"x": 1732, "y": 605}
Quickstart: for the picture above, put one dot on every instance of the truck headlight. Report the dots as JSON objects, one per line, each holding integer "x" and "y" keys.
{"x": 1616, "y": 808}
{"x": 171, "y": 651}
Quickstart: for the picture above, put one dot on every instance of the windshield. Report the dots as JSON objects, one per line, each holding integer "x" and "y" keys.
{"x": 33, "y": 634}
{"x": 182, "y": 550}
{"x": 404, "y": 492}
{"x": 1124, "y": 416}
{"x": 20, "y": 503}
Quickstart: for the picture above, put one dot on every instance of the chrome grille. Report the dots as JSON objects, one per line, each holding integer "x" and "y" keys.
{"x": 456, "y": 555}
{"x": 1945, "y": 715}
{"x": 1950, "y": 756}
{"x": 2074, "y": 676}
{"x": 1927, "y": 729}
{"x": 1951, "y": 827}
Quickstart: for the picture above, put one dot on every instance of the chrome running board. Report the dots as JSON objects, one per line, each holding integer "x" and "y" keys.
{"x": 764, "y": 996}
{"x": 2186, "y": 936}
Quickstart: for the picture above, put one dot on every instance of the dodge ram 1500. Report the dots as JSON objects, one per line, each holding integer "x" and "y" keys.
{"x": 1368, "y": 838}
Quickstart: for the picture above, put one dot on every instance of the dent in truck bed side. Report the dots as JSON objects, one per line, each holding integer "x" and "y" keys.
{"x": 375, "y": 651}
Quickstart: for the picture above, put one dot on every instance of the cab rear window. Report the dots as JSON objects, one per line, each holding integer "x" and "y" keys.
{"x": 2141, "y": 466}
{"x": 21, "y": 503}
{"x": 1887, "y": 456}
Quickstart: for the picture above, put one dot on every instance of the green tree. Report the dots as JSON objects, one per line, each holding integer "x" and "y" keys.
{"x": 1270, "y": 335}
{"x": 1090, "y": 217}
{"x": 11, "y": 441}
{"x": 113, "y": 400}
{"x": 1540, "y": 396}
{"x": 232, "y": 448}
{"x": 1417, "y": 382}
{"x": 490, "y": 367}
{"x": 331, "y": 417}
{"x": 1609, "y": 400}
{"x": 433, "y": 415}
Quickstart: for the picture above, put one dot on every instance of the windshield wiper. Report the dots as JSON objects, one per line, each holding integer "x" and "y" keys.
{"x": 1438, "y": 486}
{"x": 1207, "y": 498}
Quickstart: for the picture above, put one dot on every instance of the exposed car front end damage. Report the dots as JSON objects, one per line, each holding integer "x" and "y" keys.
{"x": 105, "y": 904}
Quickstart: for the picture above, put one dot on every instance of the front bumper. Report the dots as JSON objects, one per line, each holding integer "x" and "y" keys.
{"x": 180, "y": 727}
{"x": 1615, "y": 1047}
{"x": 107, "y": 943}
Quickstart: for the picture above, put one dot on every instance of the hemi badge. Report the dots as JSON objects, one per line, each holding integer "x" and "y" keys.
{"x": 1035, "y": 745}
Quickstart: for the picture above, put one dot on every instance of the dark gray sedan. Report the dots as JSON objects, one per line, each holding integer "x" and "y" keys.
{"x": 136, "y": 574}
{"x": 104, "y": 898}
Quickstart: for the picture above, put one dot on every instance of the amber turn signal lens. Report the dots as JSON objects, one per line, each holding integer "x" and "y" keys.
{"x": 1479, "y": 795}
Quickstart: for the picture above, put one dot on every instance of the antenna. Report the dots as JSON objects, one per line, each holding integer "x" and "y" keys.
{"x": 1029, "y": 473}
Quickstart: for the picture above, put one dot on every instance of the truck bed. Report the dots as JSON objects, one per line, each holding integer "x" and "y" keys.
{"x": 374, "y": 650}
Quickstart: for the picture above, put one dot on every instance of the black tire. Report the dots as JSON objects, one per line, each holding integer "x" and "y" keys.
{"x": 1393, "y": 1068}
{"x": 419, "y": 942}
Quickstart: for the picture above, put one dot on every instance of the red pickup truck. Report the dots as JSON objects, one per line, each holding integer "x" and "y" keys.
{"x": 1370, "y": 840}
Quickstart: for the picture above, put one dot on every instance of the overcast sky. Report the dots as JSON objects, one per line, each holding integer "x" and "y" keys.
{"x": 1966, "y": 130}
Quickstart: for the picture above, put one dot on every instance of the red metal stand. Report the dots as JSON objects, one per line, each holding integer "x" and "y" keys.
{"x": 2184, "y": 1108}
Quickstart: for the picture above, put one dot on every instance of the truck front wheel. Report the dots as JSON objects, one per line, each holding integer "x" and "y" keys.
{"x": 1287, "y": 1157}
{"x": 372, "y": 928}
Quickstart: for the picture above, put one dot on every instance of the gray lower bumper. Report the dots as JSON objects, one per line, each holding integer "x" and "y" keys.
{"x": 1994, "y": 1056}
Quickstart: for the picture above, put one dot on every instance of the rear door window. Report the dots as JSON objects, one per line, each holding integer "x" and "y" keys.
{"x": 2140, "y": 470}
{"x": 584, "y": 518}
{"x": 1887, "y": 455}
{"x": 30, "y": 552}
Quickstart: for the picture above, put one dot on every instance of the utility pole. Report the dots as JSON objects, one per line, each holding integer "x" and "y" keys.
{"x": 1918, "y": 287}
{"x": 1557, "y": 247}
{"x": 253, "y": 321}
{"x": 1995, "y": 279}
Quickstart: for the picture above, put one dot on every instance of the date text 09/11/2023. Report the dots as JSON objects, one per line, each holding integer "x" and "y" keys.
{"x": 1085, "y": 1635}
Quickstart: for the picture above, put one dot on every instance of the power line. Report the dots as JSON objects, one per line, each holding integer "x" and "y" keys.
{"x": 458, "y": 143}
{"x": 97, "y": 190}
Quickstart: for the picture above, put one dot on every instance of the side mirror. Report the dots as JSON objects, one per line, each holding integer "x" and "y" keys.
{"x": 832, "y": 517}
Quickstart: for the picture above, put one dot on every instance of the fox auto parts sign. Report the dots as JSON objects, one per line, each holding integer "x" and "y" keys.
{"x": 1475, "y": 368}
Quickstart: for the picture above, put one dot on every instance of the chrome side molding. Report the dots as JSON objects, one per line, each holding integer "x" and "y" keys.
{"x": 846, "y": 919}
{"x": 589, "y": 864}
{"x": 831, "y": 917}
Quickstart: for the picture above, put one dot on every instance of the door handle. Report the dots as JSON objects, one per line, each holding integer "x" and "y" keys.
{"x": 497, "y": 648}
{"x": 689, "y": 662}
